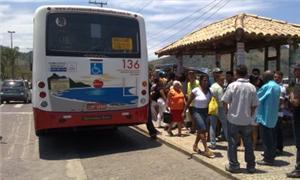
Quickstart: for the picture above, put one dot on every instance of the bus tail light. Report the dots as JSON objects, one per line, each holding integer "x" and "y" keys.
{"x": 43, "y": 94}
{"x": 144, "y": 83}
{"x": 144, "y": 92}
{"x": 41, "y": 84}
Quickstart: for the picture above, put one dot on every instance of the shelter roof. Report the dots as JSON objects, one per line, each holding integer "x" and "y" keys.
{"x": 221, "y": 36}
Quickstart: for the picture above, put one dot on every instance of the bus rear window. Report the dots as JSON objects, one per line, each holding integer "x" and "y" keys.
{"x": 70, "y": 34}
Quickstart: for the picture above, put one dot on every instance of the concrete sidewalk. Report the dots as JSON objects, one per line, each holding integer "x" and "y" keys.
{"x": 283, "y": 164}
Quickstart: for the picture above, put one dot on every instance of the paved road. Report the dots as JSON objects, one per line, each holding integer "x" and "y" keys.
{"x": 122, "y": 154}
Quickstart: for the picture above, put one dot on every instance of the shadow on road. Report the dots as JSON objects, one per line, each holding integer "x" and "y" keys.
{"x": 74, "y": 145}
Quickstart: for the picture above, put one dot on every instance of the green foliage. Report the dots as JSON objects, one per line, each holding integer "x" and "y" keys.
{"x": 14, "y": 64}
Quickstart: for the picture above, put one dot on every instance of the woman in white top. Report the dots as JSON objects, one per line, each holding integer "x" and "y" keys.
{"x": 201, "y": 96}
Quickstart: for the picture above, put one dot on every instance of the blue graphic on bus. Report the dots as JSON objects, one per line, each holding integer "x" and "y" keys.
{"x": 96, "y": 68}
{"x": 115, "y": 96}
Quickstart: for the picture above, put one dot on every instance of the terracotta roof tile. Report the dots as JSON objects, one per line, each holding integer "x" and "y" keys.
{"x": 251, "y": 24}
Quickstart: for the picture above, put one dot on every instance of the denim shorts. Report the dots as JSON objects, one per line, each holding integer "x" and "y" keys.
{"x": 200, "y": 117}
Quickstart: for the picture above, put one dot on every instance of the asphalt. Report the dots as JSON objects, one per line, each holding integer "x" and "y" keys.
{"x": 283, "y": 163}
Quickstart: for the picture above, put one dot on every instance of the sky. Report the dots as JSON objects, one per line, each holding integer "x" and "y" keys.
{"x": 166, "y": 20}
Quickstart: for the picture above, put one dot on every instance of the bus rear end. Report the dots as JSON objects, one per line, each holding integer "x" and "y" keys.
{"x": 89, "y": 68}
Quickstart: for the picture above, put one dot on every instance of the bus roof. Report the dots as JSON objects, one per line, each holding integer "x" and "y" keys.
{"x": 89, "y": 9}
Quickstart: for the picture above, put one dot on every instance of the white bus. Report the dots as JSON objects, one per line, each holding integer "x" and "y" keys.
{"x": 90, "y": 68}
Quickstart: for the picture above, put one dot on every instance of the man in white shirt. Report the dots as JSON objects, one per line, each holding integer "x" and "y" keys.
{"x": 240, "y": 102}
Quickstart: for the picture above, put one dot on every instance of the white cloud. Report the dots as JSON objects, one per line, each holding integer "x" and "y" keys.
{"x": 159, "y": 15}
{"x": 19, "y": 21}
{"x": 201, "y": 18}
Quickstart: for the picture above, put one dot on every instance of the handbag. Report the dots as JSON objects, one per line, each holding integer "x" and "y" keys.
{"x": 213, "y": 106}
{"x": 167, "y": 117}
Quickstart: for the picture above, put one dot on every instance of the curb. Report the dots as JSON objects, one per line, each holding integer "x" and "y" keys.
{"x": 186, "y": 152}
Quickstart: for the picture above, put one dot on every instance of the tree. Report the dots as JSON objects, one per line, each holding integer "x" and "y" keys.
{"x": 8, "y": 58}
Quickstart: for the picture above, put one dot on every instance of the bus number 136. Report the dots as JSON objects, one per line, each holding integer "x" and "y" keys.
{"x": 130, "y": 64}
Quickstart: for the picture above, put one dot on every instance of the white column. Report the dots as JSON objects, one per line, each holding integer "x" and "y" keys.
{"x": 292, "y": 59}
{"x": 179, "y": 63}
{"x": 240, "y": 53}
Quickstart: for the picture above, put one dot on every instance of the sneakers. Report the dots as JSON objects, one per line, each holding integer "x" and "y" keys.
{"x": 265, "y": 163}
{"x": 212, "y": 146}
{"x": 293, "y": 174}
{"x": 232, "y": 170}
{"x": 209, "y": 154}
{"x": 251, "y": 170}
{"x": 238, "y": 170}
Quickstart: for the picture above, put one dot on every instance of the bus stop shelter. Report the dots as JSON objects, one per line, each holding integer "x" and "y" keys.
{"x": 237, "y": 35}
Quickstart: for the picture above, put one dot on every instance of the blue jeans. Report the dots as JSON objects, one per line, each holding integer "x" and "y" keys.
{"x": 269, "y": 143}
{"x": 213, "y": 124}
{"x": 200, "y": 117}
{"x": 234, "y": 132}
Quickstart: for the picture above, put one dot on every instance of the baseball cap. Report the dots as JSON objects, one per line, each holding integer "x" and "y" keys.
{"x": 216, "y": 70}
{"x": 162, "y": 74}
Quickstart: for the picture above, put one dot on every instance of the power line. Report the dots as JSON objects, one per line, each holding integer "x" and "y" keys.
{"x": 187, "y": 25}
{"x": 147, "y": 4}
{"x": 181, "y": 20}
{"x": 222, "y": 6}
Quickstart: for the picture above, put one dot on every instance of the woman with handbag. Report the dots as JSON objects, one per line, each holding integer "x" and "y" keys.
{"x": 201, "y": 96}
{"x": 176, "y": 103}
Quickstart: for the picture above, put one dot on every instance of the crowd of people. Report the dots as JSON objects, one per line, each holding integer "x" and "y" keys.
{"x": 250, "y": 107}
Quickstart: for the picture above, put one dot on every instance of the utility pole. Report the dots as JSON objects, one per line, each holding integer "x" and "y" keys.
{"x": 98, "y": 3}
{"x": 12, "y": 55}
{"x": 30, "y": 58}
{"x": 11, "y": 38}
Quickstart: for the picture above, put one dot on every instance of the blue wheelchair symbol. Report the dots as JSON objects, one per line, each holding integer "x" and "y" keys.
{"x": 96, "y": 68}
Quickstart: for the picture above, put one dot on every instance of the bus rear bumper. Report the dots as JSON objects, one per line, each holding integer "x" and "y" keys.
{"x": 44, "y": 120}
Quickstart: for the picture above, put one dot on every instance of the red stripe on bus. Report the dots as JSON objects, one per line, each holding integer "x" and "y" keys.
{"x": 50, "y": 120}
